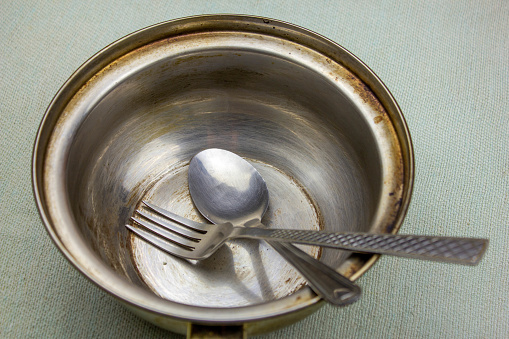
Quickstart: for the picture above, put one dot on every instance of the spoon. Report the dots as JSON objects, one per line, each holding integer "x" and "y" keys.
{"x": 226, "y": 188}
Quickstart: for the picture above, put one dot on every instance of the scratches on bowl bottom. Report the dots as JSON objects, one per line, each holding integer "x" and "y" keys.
{"x": 242, "y": 272}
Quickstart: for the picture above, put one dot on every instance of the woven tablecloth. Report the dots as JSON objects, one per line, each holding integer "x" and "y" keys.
{"x": 446, "y": 63}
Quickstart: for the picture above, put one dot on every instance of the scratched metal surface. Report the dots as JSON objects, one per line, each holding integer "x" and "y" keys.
{"x": 137, "y": 111}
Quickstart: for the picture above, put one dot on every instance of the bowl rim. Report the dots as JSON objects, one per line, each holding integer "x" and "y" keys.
{"x": 136, "y": 296}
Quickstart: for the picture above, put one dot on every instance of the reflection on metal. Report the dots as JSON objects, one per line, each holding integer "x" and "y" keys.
{"x": 134, "y": 115}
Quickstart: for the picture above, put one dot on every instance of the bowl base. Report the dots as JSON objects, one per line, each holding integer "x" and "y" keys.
{"x": 243, "y": 271}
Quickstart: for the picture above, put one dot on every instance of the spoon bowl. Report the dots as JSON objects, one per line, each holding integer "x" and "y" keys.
{"x": 226, "y": 188}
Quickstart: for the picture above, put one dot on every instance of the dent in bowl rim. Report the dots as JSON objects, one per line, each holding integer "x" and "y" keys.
{"x": 141, "y": 298}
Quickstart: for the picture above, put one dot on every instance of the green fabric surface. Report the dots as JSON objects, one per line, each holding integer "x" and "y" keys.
{"x": 446, "y": 63}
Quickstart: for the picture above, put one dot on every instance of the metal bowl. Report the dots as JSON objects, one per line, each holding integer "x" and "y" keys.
{"x": 322, "y": 129}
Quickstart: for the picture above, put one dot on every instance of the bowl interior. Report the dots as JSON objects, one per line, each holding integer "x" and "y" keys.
{"x": 326, "y": 149}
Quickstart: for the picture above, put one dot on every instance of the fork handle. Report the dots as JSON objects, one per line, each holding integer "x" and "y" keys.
{"x": 465, "y": 251}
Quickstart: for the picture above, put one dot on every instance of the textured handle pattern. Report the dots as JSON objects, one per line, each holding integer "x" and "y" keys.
{"x": 448, "y": 249}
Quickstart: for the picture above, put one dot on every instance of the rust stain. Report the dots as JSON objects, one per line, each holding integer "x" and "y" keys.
{"x": 357, "y": 262}
{"x": 195, "y": 57}
{"x": 360, "y": 88}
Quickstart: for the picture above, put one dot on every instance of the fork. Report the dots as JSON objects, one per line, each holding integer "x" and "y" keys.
{"x": 194, "y": 240}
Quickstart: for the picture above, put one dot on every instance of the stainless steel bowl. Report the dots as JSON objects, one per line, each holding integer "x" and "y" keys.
{"x": 322, "y": 129}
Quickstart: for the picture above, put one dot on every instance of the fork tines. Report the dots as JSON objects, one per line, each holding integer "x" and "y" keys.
{"x": 172, "y": 234}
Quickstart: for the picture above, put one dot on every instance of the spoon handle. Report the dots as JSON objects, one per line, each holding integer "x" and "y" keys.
{"x": 323, "y": 280}
{"x": 465, "y": 251}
